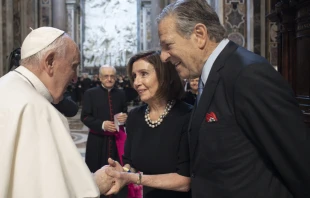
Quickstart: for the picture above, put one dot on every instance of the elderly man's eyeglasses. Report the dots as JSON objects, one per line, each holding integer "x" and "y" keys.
{"x": 108, "y": 77}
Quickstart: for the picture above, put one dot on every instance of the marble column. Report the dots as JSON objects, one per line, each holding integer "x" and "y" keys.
{"x": 29, "y": 17}
{"x": 59, "y": 14}
{"x": 73, "y": 9}
{"x": 6, "y": 31}
{"x": 155, "y": 10}
{"x": 9, "y": 27}
{"x": 72, "y": 19}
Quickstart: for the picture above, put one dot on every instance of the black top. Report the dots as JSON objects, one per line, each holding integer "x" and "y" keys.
{"x": 67, "y": 106}
{"x": 189, "y": 97}
{"x": 159, "y": 150}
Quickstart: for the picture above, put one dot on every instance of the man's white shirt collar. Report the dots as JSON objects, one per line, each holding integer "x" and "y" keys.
{"x": 35, "y": 81}
{"x": 106, "y": 88}
{"x": 209, "y": 63}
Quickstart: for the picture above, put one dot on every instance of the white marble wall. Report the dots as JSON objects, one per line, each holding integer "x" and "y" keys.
{"x": 110, "y": 32}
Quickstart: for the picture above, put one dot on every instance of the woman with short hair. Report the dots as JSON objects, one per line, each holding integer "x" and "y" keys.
{"x": 157, "y": 141}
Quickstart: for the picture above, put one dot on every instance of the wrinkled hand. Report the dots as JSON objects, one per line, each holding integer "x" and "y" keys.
{"x": 103, "y": 181}
{"x": 109, "y": 126}
{"x": 122, "y": 117}
{"x": 116, "y": 171}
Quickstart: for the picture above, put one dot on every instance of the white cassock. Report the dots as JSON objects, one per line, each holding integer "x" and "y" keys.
{"x": 38, "y": 158}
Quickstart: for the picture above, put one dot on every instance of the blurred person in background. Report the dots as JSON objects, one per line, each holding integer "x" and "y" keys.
{"x": 104, "y": 112}
{"x": 191, "y": 94}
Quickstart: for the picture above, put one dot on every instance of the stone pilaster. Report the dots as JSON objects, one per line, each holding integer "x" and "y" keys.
{"x": 72, "y": 19}
{"x": 29, "y": 17}
{"x": 59, "y": 14}
{"x": 155, "y": 10}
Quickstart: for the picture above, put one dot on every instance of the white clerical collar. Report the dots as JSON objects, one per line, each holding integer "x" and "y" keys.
{"x": 105, "y": 87}
{"x": 209, "y": 63}
{"x": 35, "y": 82}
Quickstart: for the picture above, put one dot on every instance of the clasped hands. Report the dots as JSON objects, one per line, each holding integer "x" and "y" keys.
{"x": 110, "y": 178}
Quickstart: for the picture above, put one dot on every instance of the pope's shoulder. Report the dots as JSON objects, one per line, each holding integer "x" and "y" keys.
{"x": 19, "y": 92}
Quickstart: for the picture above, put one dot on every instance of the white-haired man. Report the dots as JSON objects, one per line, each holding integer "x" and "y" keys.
{"x": 100, "y": 105}
{"x": 38, "y": 156}
{"x": 247, "y": 137}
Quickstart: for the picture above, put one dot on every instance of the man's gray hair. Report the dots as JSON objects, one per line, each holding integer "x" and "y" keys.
{"x": 190, "y": 12}
{"x": 105, "y": 66}
{"x": 58, "y": 46}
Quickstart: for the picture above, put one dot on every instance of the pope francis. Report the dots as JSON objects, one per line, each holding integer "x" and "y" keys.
{"x": 38, "y": 156}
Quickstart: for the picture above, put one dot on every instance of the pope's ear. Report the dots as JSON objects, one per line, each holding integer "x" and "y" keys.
{"x": 49, "y": 62}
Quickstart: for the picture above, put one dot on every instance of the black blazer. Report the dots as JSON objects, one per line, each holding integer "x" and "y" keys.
{"x": 259, "y": 146}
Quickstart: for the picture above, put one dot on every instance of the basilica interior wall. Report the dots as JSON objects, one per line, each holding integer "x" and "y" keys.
{"x": 19, "y": 16}
{"x": 109, "y": 32}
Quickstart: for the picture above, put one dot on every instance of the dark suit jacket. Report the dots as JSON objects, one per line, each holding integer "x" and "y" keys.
{"x": 259, "y": 147}
{"x": 67, "y": 106}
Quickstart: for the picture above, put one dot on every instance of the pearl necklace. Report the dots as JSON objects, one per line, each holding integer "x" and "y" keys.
{"x": 156, "y": 123}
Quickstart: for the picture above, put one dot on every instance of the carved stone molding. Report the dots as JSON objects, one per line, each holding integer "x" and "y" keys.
{"x": 235, "y": 13}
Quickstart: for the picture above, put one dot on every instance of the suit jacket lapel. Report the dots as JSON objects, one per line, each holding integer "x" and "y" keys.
{"x": 202, "y": 107}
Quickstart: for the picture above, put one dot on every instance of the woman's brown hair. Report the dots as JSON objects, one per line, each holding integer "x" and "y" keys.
{"x": 170, "y": 84}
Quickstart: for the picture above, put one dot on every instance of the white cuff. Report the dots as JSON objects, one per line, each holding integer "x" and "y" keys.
{"x": 103, "y": 125}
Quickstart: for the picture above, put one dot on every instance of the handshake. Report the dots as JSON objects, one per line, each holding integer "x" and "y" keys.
{"x": 111, "y": 178}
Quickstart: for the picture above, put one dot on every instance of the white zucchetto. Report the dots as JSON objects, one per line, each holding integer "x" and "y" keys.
{"x": 38, "y": 39}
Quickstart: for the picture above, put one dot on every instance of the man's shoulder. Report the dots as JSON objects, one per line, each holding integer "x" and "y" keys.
{"x": 182, "y": 108}
{"x": 93, "y": 90}
{"x": 18, "y": 91}
{"x": 239, "y": 61}
{"x": 118, "y": 91}
{"x": 242, "y": 58}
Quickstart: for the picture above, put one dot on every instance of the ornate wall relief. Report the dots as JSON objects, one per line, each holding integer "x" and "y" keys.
{"x": 110, "y": 32}
{"x": 235, "y": 12}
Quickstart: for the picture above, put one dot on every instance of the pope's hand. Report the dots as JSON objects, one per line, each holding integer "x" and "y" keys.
{"x": 103, "y": 181}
